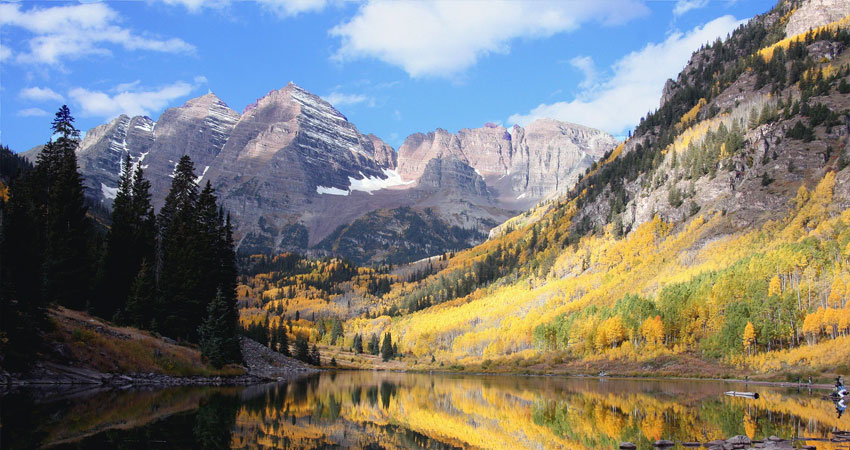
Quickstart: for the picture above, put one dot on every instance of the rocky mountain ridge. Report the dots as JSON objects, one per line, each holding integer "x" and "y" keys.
{"x": 292, "y": 170}
{"x": 750, "y": 172}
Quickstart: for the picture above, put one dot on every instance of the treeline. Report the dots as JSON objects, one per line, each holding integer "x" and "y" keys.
{"x": 172, "y": 273}
{"x": 292, "y": 275}
{"x": 275, "y": 336}
{"x": 386, "y": 349}
{"x": 462, "y": 282}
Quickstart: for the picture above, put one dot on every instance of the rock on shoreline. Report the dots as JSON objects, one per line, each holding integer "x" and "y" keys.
{"x": 744, "y": 443}
{"x": 261, "y": 363}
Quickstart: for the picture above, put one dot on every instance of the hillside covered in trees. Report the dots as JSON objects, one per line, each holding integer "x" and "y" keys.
{"x": 719, "y": 231}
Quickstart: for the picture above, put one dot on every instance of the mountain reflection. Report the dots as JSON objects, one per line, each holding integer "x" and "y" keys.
{"x": 396, "y": 410}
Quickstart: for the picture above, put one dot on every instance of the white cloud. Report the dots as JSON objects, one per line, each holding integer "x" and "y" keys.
{"x": 69, "y": 32}
{"x": 5, "y": 53}
{"x": 683, "y": 6}
{"x": 283, "y": 8}
{"x": 33, "y": 112}
{"x": 196, "y": 5}
{"x": 287, "y": 8}
{"x": 136, "y": 102}
{"x": 126, "y": 86}
{"x": 340, "y": 99}
{"x": 587, "y": 67}
{"x": 617, "y": 104}
{"x": 41, "y": 95}
{"x": 444, "y": 37}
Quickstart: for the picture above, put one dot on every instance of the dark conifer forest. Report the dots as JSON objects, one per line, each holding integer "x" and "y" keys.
{"x": 173, "y": 273}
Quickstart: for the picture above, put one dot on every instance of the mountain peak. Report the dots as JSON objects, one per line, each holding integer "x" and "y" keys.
{"x": 206, "y": 102}
{"x": 284, "y": 97}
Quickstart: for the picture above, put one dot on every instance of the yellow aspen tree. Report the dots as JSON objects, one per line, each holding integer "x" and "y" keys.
{"x": 775, "y": 286}
{"x": 837, "y": 292}
{"x": 652, "y": 331}
{"x": 749, "y": 338}
{"x": 831, "y": 318}
{"x": 616, "y": 331}
{"x": 812, "y": 325}
{"x": 802, "y": 196}
{"x": 844, "y": 321}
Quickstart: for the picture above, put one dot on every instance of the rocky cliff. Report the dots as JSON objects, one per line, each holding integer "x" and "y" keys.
{"x": 521, "y": 165}
{"x": 739, "y": 146}
{"x": 815, "y": 13}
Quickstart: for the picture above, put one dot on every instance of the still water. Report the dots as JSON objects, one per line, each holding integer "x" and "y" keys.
{"x": 393, "y": 410}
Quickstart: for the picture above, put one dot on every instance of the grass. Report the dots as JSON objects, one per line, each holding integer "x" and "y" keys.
{"x": 99, "y": 345}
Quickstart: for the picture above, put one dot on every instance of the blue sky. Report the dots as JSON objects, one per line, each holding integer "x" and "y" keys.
{"x": 393, "y": 67}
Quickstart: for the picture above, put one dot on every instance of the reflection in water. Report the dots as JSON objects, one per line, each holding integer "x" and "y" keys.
{"x": 392, "y": 410}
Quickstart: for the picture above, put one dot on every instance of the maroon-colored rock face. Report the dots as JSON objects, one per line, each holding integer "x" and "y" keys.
{"x": 291, "y": 168}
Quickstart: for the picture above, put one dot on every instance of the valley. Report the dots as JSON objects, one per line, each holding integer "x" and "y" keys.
{"x": 716, "y": 232}
{"x": 277, "y": 278}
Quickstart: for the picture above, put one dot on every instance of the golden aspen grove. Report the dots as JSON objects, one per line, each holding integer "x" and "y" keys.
{"x": 718, "y": 232}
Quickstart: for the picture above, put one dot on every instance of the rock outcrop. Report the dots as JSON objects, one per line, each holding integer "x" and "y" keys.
{"x": 521, "y": 166}
{"x": 815, "y": 13}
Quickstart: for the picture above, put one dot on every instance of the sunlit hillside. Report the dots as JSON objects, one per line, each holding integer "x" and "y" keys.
{"x": 700, "y": 236}
{"x": 719, "y": 231}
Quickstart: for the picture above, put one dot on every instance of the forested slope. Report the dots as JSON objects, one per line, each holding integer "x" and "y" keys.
{"x": 719, "y": 229}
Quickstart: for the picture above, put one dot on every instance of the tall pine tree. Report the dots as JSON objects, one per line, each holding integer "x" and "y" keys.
{"x": 387, "y": 352}
{"x": 118, "y": 267}
{"x": 197, "y": 266}
{"x": 218, "y": 340}
{"x": 180, "y": 270}
{"x": 67, "y": 269}
{"x": 141, "y": 301}
{"x": 131, "y": 240}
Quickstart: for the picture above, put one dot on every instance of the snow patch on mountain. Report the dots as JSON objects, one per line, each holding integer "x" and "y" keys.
{"x": 108, "y": 192}
{"x": 367, "y": 184}
{"x": 330, "y": 191}
{"x": 371, "y": 184}
{"x": 198, "y": 180}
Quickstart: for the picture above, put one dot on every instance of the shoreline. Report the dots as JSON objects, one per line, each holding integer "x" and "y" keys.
{"x": 49, "y": 375}
{"x": 783, "y": 384}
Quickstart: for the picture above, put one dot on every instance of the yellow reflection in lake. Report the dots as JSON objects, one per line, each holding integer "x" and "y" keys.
{"x": 396, "y": 410}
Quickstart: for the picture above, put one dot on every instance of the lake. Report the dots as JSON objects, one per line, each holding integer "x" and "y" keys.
{"x": 398, "y": 410}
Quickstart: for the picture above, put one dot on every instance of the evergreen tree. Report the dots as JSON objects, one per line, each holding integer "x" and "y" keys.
{"x": 67, "y": 269}
{"x": 336, "y": 331}
{"x": 273, "y": 339}
{"x": 315, "y": 359}
{"x": 283, "y": 339}
{"x": 139, "y": 310}
{"x": 225, "y": 257}
{"x": 387, "y": 347}
{"x": 358, "y": 344}
{"x": 180, "y": 271}
{"x": 374, "y": 345}
{"x": 118, "y": 266}
{"x": 302, "y": 349}
{"x": 144, "y": 235}
{"x": 218, "y": 341}
{"x": 208, "y": 242}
